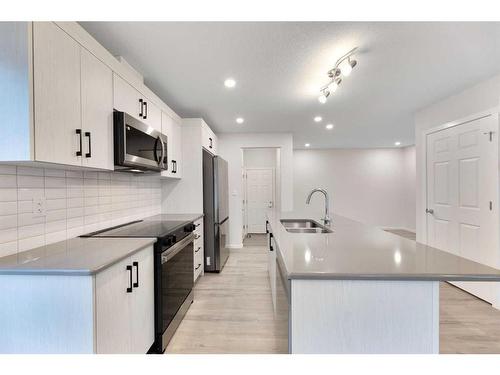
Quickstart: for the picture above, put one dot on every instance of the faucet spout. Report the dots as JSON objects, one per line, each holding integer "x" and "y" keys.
{"x": 327, "y": 218}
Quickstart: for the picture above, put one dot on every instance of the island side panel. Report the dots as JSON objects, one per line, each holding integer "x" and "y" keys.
{"x": 364, "y": 316}
{"x": 46, "y": 314}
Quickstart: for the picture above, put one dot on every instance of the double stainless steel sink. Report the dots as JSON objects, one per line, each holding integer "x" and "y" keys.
{"x": 304, "y": 226}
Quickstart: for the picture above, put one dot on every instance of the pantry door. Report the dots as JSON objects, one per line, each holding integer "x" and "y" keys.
{"x": 260, "y": 197}
{"x": 462, "y": 183}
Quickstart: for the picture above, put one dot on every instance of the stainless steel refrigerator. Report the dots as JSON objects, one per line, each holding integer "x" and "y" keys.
{"x": 215, "y": 208}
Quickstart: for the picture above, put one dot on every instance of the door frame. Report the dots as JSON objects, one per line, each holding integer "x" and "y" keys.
{"x": 245, "y": 189}
{"x": 447, "y": 125}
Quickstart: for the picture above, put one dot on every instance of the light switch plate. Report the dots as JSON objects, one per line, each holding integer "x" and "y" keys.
{"x": 39, "y": 206}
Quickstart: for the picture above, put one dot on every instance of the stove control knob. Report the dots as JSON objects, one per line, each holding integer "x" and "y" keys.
{"x": 170, "y": 240}
{"x": 189, "y": 228}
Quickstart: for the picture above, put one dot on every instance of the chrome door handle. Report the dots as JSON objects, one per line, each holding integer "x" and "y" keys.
{"x": 429, "y": 211}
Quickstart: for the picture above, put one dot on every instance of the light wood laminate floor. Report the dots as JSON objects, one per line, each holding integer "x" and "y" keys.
{"x": 233, "y": 313}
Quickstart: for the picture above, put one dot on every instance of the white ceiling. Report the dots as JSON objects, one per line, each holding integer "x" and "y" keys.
{"x": 279, "y": 68}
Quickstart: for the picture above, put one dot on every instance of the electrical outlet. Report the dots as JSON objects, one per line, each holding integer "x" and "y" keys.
{"x": 38, "y": 207}
{"x": 208, "y": 261}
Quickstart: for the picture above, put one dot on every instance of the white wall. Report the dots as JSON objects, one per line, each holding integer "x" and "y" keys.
{"x": 369, "y": 185}
{"x": 409, "y": 192}
{"x": 259, "y": 158}
{"x": 230, "y": 148}
{"x": 480, "y": 97}
{"x": 77, "y": 202}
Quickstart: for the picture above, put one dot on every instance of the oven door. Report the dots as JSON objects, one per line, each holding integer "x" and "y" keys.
{"x": 137, "y": 145}
{"x": 176, "y": 285}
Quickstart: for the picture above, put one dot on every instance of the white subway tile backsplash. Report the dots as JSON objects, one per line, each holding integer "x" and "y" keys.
{"x": 30, "y": 171}
{"x": 8, "y": 169}
{"x": 8, "y": 248}
{"x": 55, "y": 182}
{"x": 56, "y": 193}
{"x": 31, "y": 242}
{"x": 30, "y": 193}
{"x": 8, "y": 208}
{"x": 30, "y": 181}
{"x": 30, "y": 230}
{"x": 8, "y": 195}
{"x": 8, "y": 235}
{"x": 55, "y": 172}
{"x": 8, "y": 221}
{"x": 76, "y": 202}
{"x": 8, "y": 181}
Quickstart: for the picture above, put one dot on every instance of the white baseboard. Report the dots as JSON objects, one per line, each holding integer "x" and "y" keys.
{"x": 235, "y": 246}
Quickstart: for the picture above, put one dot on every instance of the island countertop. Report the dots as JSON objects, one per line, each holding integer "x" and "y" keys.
{"x": 355, "y": 251}
{"x": 76, "y": 256}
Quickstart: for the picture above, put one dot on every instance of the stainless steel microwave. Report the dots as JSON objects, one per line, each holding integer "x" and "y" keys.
{"x": 137, "y": 146}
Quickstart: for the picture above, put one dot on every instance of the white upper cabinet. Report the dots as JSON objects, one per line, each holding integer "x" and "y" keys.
{"x": 209, "y": 139}
{"x": 172, "y": 129}
{"x": 57, "y": 116}
{"x": 60, "y": 87}
{"x": 128, "y": 99}
{"x": 97, "y": 112}
{"x": 178, "y": 148}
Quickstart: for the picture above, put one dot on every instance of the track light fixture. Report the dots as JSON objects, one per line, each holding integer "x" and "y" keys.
{"x": 343, "y": 67}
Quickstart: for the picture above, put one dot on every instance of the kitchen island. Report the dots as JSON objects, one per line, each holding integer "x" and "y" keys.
{"x": 360, "y": 289}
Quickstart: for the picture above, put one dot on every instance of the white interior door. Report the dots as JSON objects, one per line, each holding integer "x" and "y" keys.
{"x": 462, "y": 180}
{"x": 260, "y": 197}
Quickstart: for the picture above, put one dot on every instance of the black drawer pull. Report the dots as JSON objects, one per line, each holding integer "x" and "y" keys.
{"x": 129, "y": 269}
{"x": 271, "y": 248}
{"x": 79, "y": 132}
{"x": 136, "y": 265}
{"x": 145, "y": 110}
{"x": 196, "y": 236}
{"x": 199, "y": 248}
{"x": 89, "y": 154}
{"x": 141, "y": 113}
{"x": 199, "y": 265}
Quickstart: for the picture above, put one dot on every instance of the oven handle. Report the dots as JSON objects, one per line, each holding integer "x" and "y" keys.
{"x": 174, "y": 250}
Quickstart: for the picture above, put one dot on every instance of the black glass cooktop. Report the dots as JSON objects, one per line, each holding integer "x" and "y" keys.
{"x": 140, "y": 228}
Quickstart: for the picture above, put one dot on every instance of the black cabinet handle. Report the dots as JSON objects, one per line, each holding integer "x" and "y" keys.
{"x": 89, "y": 154}
{"x": 141, "y": 102}
{"x": 199, "y": 265}
{"x": 129, "y": 269}
{"x": 79, "y": 132}
{"x": 145, "y": 110}
{"x": 196, "y": 236}
{"x": 199, "y": 248}
{"x": 210, "y": 139}
{"x": 136, "y": 265}
{"x": 174, "y": 166}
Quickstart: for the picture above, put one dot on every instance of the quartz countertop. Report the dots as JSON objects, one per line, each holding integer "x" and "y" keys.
{"x": 77, "y": 256}
{"x": 358, "y": 251}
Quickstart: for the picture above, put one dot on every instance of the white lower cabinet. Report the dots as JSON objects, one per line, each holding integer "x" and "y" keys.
{"x": 124, "y": 295}
{"x": 198, "y": 249}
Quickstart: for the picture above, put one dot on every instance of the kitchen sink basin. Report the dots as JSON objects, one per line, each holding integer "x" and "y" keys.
{"x": 304, "y": 226}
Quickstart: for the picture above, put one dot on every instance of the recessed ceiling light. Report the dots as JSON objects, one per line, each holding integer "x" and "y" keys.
{"x": 240, "y": 120}
{"x": 307, "y": 145}
{"x": 230, "y": 83}
{"x": 329, "y": 126}
{"x": 397, "y": 143}
{"x": 318, "y": 119}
